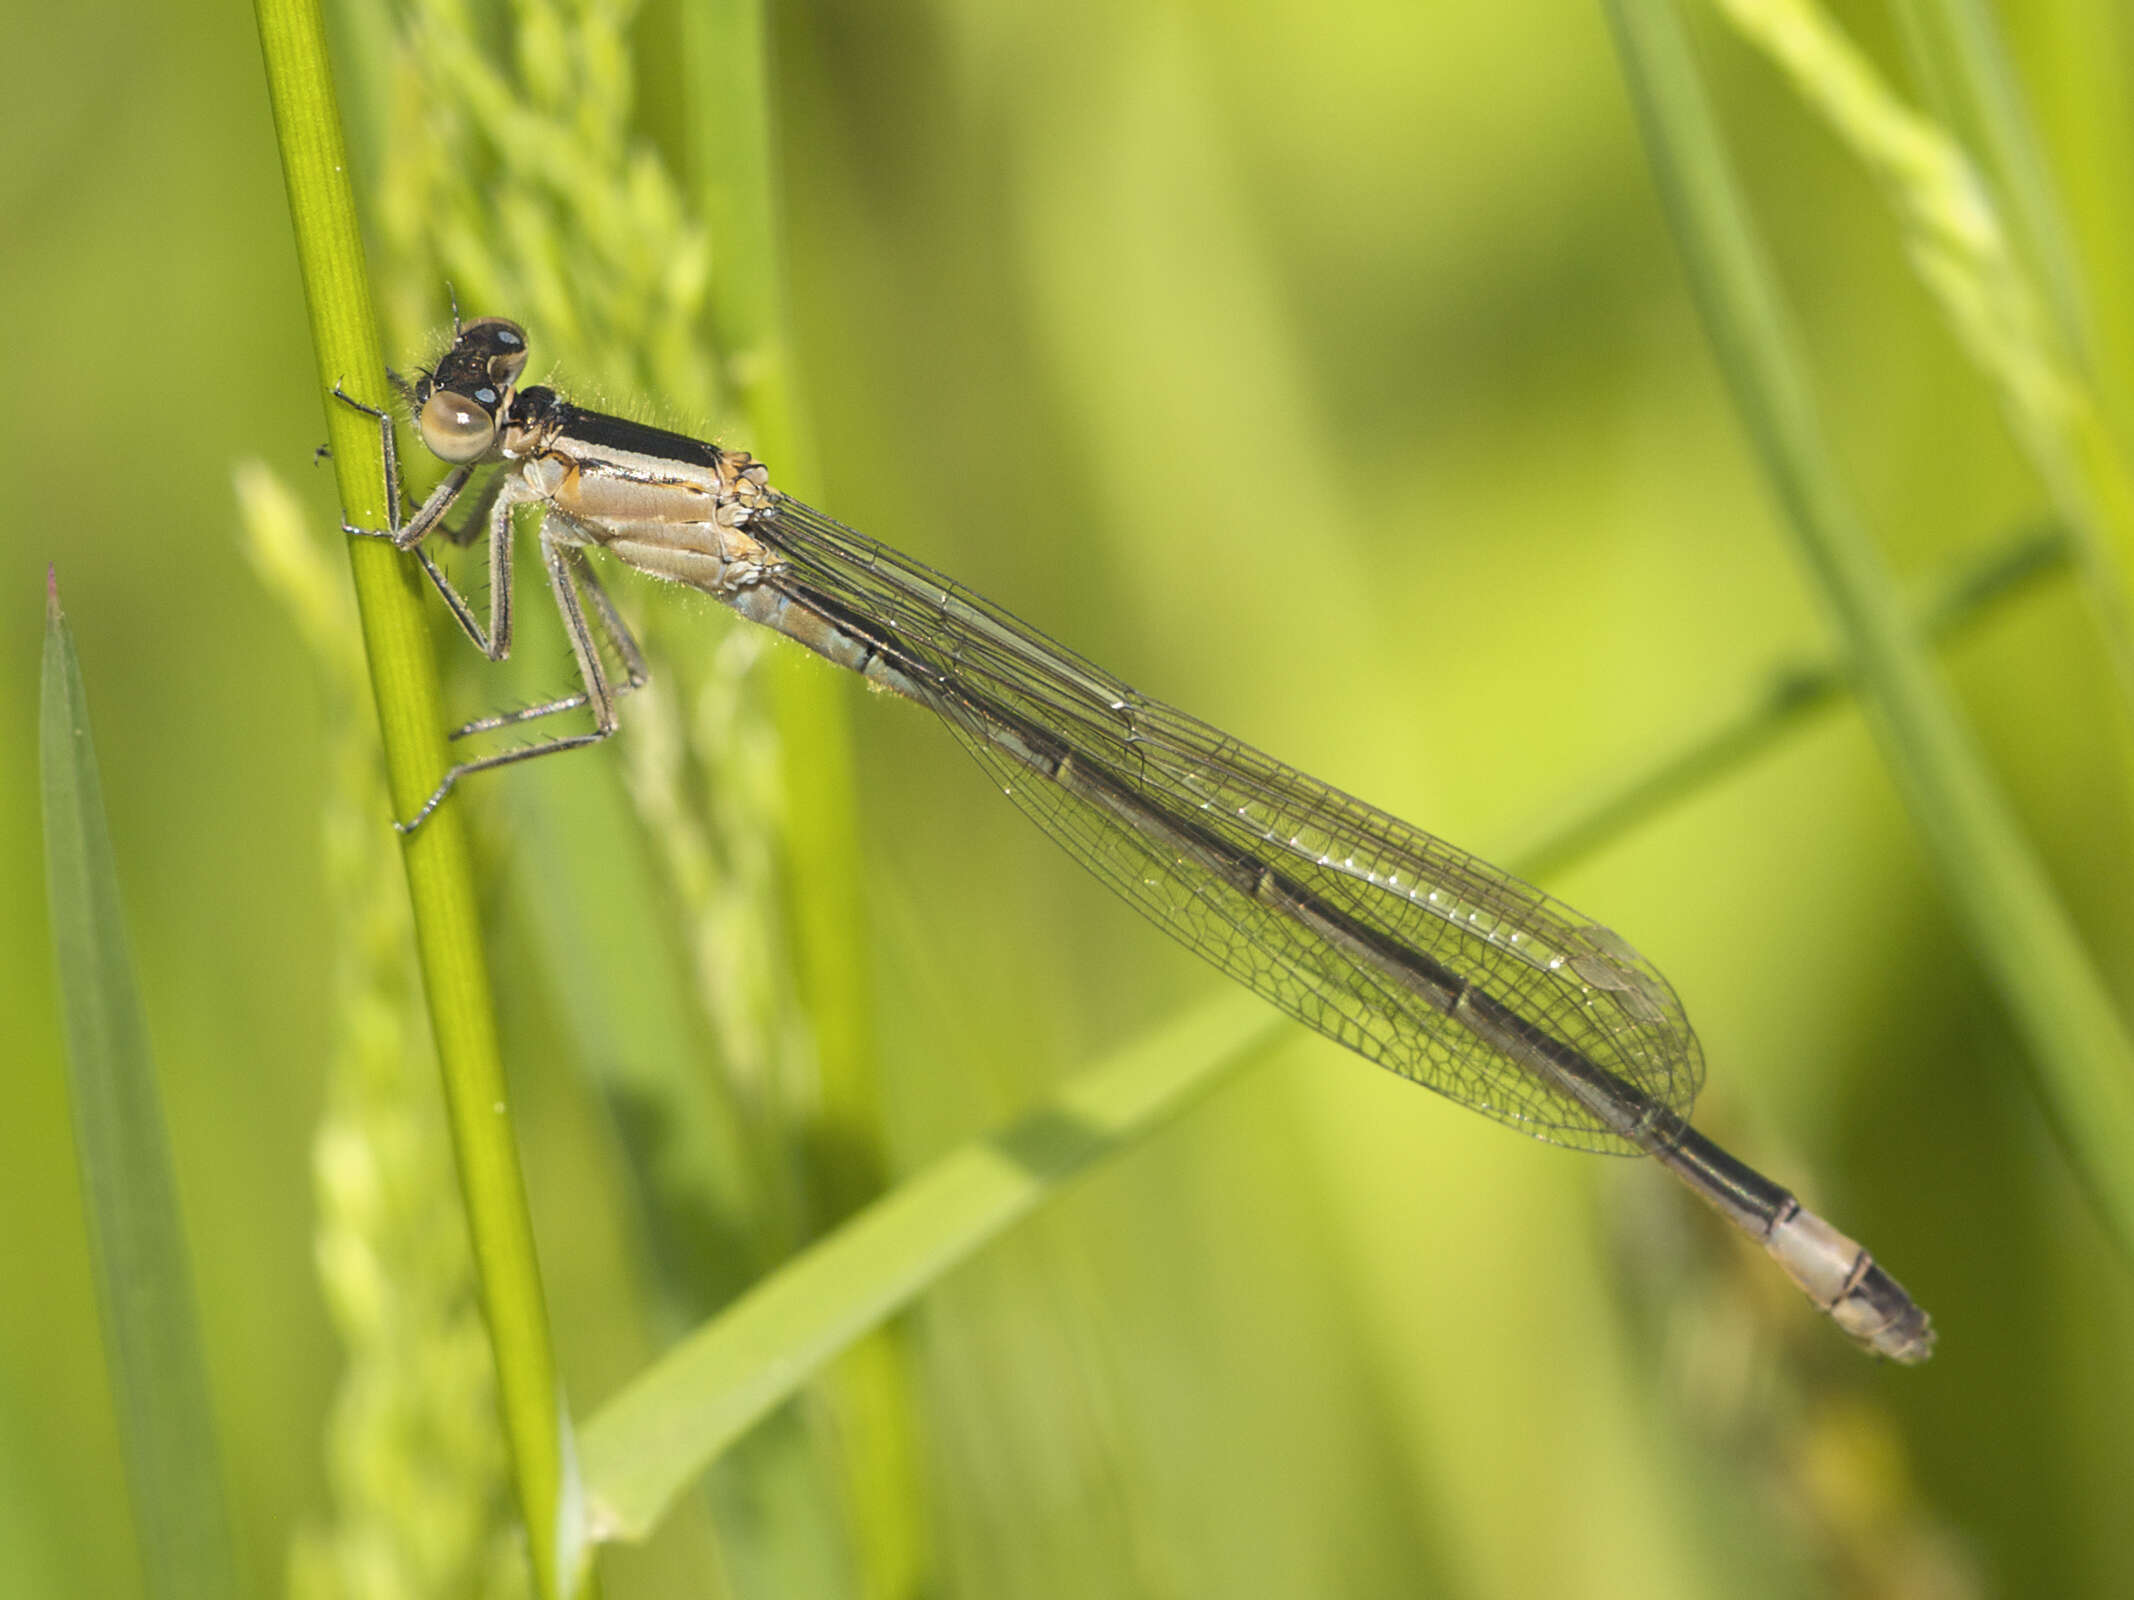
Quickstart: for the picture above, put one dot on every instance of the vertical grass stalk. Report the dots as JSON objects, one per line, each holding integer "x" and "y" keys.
{"x": 411, "y": 720}
{"x": 729, "y": 139}
{"x": 2023, "y": 938}
{"x": 2026, "y": 339}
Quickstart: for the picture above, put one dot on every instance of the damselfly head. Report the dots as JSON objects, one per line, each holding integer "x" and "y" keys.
{"x": 499, "y": 344}
{"x": 461, "y": 404}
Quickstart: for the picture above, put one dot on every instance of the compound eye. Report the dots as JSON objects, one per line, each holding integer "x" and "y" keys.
{"x": 503, "y": 347}
{"x": 459, "y": 428}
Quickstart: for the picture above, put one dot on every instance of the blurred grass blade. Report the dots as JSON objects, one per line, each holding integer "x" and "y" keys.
{"x": 144, "y": 1283}
{"x": 1972, "y": 83}
{"x": 646, "y": 1445}
{"x": 1968, "y": 593}
{"x": 418, "y": 1498}
{"x": 2021, "y": 936}
{"x": 2017, "y": 334}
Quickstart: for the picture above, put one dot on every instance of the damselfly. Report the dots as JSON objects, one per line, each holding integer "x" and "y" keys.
{"x": 1415, "y": 954}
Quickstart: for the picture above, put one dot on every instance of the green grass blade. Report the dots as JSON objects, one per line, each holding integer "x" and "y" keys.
{"x": 2022, "y": 937}
{"x": 144, "y": 1281}
{"x": 1972, "y": 82}
{"x": 403, "y": 671}
{"x": 419, "y": 1494}
{"x": 1974, "y": 266}
{"x": 1794, "y": 691}
{"x": 728, "y": 107}
{"x": 645, "y": 1446}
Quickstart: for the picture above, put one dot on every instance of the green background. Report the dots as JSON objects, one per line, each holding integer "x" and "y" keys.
{"x": 1328, "y": 372}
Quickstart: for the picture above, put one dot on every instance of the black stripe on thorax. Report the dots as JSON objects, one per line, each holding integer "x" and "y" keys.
{"x": 603, "y": 432}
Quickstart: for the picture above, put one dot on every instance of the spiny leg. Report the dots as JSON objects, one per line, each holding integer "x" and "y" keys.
{"x": 618, "y": 631}
{"x": 491, "y": 503}
{"x": 618, "y": 634}
{"x": 599, "y": 694}
{"x": 479, "y": 508}
{"x": 495, "y": 507}
{"x": 409, "y": 534}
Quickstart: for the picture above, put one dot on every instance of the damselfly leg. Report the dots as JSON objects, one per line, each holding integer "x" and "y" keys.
{"x": 571, "y": 580}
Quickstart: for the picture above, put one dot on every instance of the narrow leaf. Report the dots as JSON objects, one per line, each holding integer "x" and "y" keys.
{"x": 144, "y": 1284}
{"x": 2081, "y": 1055}
{"x": 646, "y": 1445}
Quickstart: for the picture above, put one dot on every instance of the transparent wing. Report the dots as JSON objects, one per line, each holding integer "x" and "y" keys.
{"x": 1416, "y": 954}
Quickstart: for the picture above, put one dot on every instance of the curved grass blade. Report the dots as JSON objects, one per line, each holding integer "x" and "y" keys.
{"x": 1974, "y": 265}
{"x": 2081, "y": 1055}
{"x": 1969, "y": 79}
{"x": 1965, "y": 594}
{"x": 136, "y": 1244}
{"x": 644, "y": 1446}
